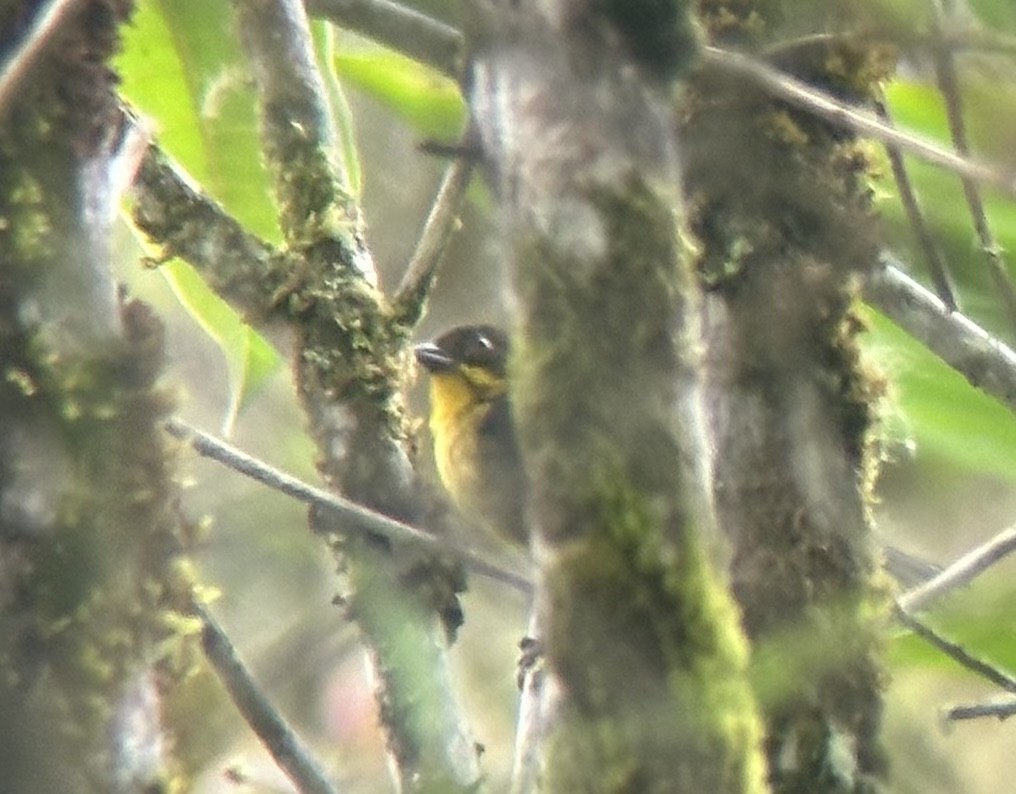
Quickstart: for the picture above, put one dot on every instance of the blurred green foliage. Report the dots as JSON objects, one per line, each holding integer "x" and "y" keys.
{"x": 183, "y": 69}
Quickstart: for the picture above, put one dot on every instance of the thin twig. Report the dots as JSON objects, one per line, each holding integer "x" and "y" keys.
{"x": 981, "y": 358}
{"x": 48, "y": 21}
{"x": 364, "y": 519}
{"x": 907, "y": 569}
{"x": 536, "y": 696}
{"x": 292, "y": 756}
{"x": 948, "y": 83}
{"x": 955, "y": 651}
{"x": 799, "y": 93}
{"x": 968, "y": 39}
{"x": 961, "y": 572}
{"x": 406, "y": 30}
{"x": 1002, "y": 710}
{"x": 908, "y": 197}
{"x": 414, "y": 290}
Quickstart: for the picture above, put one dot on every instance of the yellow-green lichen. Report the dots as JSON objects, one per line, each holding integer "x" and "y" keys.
{"x": 633, "y": 600}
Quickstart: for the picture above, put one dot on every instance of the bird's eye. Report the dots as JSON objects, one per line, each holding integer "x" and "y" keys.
{"x": 484, "y": 344}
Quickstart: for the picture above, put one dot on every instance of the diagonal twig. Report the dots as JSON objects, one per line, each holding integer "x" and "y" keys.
{"x": 955, "y": 651}
{"x": 797, "y": 92}
{"x": 366, "y": 519}
{"x": 956, "y": 40}
{"x": 948, "y": 82}
{"x": 961, "y": 572}
{"x": 1001, "y": 710}
{"x": 292, "y": 756}
{"x": 981, "y": 358}
{"x": 908, "y": 197}
{"x": 412, "y": 293}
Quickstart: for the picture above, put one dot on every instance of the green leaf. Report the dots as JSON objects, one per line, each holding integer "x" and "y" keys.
{"x": 181, "y": 64}
{"x": 250, "y": 359}
{"x": 979, "y": 618}
{"x": 944, "y": 416}
{"x": 428, "y": 101}
{"x": 324, "y": 47}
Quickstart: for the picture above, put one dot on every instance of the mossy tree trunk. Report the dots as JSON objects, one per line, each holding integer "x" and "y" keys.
{"x": 638, "y": 634}
{"x": 645, "y": 662}
{"x": 781, "y": 207}
{"x": 92, "y": 577}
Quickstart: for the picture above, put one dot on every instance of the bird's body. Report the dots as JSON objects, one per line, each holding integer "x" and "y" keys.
{"x": 475, "y": 447}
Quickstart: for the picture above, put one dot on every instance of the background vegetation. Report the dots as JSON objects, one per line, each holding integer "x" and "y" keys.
{"x": 949, "y": 450}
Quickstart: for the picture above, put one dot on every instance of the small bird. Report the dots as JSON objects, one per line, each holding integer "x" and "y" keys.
{"x": 476, "y": 449}
{"x": 475, "y": 446}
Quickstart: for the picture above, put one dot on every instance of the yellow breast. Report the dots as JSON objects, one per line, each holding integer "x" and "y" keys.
{"x": 455, "y": 415}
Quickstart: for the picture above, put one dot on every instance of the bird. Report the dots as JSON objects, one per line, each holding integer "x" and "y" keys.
{"x": 475, "y": 445}
{"x": 476, "y": 448}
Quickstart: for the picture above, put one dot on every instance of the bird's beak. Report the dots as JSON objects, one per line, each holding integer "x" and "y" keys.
{"x": 432, "y": 358}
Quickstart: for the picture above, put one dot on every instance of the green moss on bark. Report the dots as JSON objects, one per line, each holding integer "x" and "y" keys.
{"x": 640, "y": 629}
{"x": 781, "y": 208}
{"x": 93, "y": 583}
{"x": 647, "y": 639}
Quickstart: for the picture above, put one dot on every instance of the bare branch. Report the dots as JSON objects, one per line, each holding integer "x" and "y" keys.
{"x": 961, "y": 572}
{"x": 423, "y": 38}
{"x": 945, "y": 71}
{"x": 414, "y": 290}
{"x": 1002, "y": 710}
{"x": 802, "y": 95}
{"x": 292, "y": 756}
{"x": 981, "y": 358}
{"x": 955, "y": 651}
{"x": 366, "y": 519}
{"x": 908, "y": 197}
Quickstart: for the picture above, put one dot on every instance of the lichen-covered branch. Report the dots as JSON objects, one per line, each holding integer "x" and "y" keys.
{"x": 781, "y": 211}
{"x": 349, "y": 365}
{"x": 185, "y": 222}
{"x": 641, "y": 640}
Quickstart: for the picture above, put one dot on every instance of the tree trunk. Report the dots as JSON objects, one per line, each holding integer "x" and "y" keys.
{"x": 782, "y": 212}
{"x": 91, "y": 574}
{"x": 644, "y": 656}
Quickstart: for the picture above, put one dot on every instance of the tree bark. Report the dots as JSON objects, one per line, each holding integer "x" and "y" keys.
{"x": 643, "y": 649}
{"x": 92, "y": 577}
{"x": 782, "y": 213}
